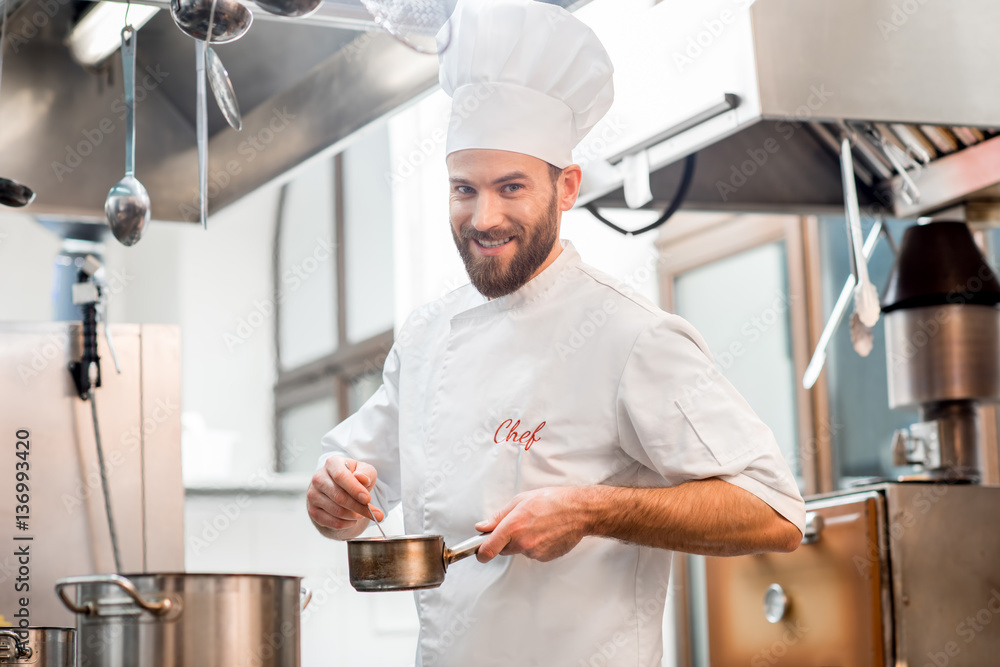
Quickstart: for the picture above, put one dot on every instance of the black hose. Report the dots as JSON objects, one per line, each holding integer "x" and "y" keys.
{"x": 678, "y": 200}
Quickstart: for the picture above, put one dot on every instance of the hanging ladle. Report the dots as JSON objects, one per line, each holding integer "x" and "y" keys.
{"x": 226, "y": 21}
{"x": 12, "y": 193}
{"x": 127, "y": 205}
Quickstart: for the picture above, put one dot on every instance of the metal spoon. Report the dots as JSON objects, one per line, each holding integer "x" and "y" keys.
{"x": 12, "y": 193}
{"x": 369, "y": 507}
{"x": 865, "y": 293}
{"x": 127, "y": 206}
{"x": 222, "y": 88}
{"x": 228, "y": 22}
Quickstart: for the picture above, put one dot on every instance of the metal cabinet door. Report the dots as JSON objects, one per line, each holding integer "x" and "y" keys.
{"x": 835, "y": 592}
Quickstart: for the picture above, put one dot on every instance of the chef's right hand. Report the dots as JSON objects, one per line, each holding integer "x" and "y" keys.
{"x": 338, "y": 496}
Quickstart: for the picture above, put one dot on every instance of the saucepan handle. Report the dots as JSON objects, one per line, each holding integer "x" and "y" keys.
{"x": 464, "y": 549}
{"x": 156, "y": 607}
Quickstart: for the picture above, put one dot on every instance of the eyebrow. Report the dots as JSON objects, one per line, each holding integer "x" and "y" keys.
{"x": 512, "y": 176}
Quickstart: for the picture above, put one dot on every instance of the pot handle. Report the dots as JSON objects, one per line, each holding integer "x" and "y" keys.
{"x": 21, "y": 648}
{"x": 156, "y": 607}
{"x": 464, "y": 549}
{"x": 306, "y": 596}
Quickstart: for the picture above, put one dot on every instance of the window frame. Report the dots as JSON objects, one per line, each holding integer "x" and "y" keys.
{"x": 333, "y": 373}
{"x": 702, "y": 239}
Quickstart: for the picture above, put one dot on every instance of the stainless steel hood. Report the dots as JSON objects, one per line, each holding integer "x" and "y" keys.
{"x": 760, "y": 91}
{"x": 304, "y": 86}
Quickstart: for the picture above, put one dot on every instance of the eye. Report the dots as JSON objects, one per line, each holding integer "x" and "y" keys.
{"x": 463, "y": 189}
{"x": 513, "y": 187}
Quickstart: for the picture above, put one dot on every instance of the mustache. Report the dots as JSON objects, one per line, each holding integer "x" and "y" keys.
{"x": 471, "y": 232}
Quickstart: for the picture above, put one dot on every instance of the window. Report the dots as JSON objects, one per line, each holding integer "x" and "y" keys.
{"x": 333, "y": 281}
{"x": 861, "y": 424}
{"x": 736, "y": 280}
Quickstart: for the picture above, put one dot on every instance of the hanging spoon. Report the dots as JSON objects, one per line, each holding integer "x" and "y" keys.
{"x": 12, "y": 193}
{"x": 127, "y": 205}
{"x": 222, "y": 88}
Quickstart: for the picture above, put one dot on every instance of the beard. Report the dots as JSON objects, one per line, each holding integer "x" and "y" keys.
{"x": 488, "y": 274}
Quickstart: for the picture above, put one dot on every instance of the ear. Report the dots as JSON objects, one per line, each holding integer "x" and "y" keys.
{"x": 569, "y": 186}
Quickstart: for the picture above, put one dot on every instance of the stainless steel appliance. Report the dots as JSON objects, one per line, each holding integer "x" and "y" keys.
{"x": 904, "y": 572}
{"x": 761, "y": 91}
{"x": 65, "y": 528}
{"x": 42, "y": 647}
{"x": 943, "y": 348}
{"x": 894, "y": 574}
{"x": 187, "y": 620}
{"x": 296, "y": 103}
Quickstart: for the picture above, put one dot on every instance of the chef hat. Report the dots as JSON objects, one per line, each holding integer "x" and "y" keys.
{"x": 524, "y": 76}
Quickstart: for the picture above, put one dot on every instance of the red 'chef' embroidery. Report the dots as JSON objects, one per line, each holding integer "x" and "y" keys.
{"x": 525, "y": 437}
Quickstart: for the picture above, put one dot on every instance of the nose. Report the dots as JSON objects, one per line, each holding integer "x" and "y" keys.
{"x": 488, "y": 213}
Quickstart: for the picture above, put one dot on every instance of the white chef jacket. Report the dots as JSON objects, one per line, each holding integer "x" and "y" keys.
{"x": 571, "y": 380}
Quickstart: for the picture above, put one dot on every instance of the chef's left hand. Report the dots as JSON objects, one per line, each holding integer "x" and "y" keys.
{"x": 542, "y": 524}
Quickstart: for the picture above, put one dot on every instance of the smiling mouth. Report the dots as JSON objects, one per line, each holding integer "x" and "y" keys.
{"x": 494, "y": 244}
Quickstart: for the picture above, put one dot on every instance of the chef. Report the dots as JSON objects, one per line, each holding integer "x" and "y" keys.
{"x": 546, "y": 403}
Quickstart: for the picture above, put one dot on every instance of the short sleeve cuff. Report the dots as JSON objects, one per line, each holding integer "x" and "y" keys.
{"x": 792, "y": 508}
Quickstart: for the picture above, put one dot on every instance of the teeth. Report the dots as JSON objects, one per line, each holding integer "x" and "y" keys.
{"x": 495, "y": 244}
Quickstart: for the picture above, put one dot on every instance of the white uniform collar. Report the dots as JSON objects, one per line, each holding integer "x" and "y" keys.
{"x": 532, "y": 291}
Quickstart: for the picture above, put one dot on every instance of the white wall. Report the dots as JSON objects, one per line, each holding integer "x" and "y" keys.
{"x": 215, "y": 285}
{"x": 27, "y": 265}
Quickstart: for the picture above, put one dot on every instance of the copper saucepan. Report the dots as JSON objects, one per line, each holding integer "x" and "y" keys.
{"x": 406, "y": 563}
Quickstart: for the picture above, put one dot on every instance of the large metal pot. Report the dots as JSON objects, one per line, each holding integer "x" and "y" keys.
{"x": 41, "y": 647}
{"x": 187, "y": 620}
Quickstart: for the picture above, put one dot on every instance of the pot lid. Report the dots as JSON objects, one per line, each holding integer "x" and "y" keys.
{"x": 940, "y": 263}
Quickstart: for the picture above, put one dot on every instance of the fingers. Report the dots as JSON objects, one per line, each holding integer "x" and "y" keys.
{"x": 342, "y": 472}
{"x": 500, "y": 538}
{"x": 492, "y": 547}
{"x": 347, "y": 498}
{"x": 316, "y": 498}
{"x": 492, "y": 523}
{"x": 366, "y": 474}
